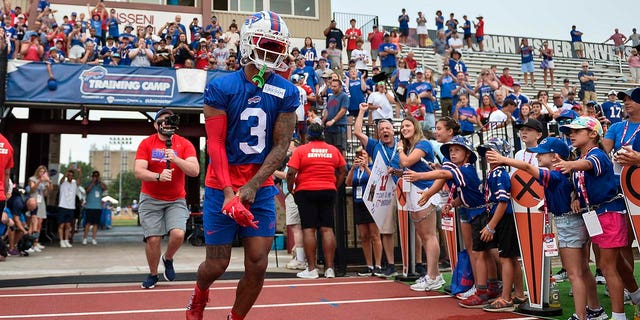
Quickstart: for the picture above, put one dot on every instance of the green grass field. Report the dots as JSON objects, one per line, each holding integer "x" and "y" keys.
{"x": 567, "y": 301}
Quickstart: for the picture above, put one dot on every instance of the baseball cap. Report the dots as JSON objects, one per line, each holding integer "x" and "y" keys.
{"x": 322, "y": 58}
{"x": 21, "y": 16}
{"x": 332, "y": 40}
{"x": 73, "y": 14}
{"x": 516, "y": 83}
{"x": 315, "y": 130}
{"x": 634, "y": 94}
{"x": 300, "y": 57}
{"x": 531, "y": 123}
{"x": 163, "y": 111}
{"x": 128, "y": 26}
{"x": 30, "y": 34}
{"x": 295, "y": 49}
{"x": 419, "y": 70}
{"x": 551, "y": 144}
{"x": 327, "y": 73}
{"x": 582, "y": 123}
{"x": 461, "y": 141}
{"x": 567, "y": 115}
{"x": 612, "y": 92}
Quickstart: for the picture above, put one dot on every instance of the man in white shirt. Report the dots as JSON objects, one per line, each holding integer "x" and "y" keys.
{"x": 380, "y": 103}
{"x": 67, "y": 206}
{"x": 455, "y": 43}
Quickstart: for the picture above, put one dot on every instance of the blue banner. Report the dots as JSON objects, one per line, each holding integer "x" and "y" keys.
{"x": 79, "y": 84}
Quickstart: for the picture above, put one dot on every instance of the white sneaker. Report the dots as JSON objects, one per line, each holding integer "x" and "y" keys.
{"x": 435, "y": 284}
{"x": 420, "y": 285}
{"x": 40, "y": 246}
{"x": 36, "y": 249}
{"x": 329, "y": 273}
{"x": 94, "y": 242}
{"x": 63, "y": 244}
{"x": 467, "y": 294}
{"x": 31, "y": 250}
{"x": 306, "y": 274}
{"x": 294, "y": 264}
{"x": 84, "y": 241}
{"x": 69, "y": 245}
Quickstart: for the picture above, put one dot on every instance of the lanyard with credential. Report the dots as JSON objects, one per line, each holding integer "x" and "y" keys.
{"x": 624, "y": 133}
{"x": 581, "y": 184}
{"x": 359, "y": 175}
{"x": 386, "y": 155}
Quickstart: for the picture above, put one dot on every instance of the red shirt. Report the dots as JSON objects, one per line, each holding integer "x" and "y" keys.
{"x": 376, "y": 39}
{"x": 411, "y": 63}
{"x": 6, "y": 162}
{"x": 415, "y": 111}
{"x": 316, "y": 163}
{"x": 352, "y": 35}
{"x": 480, "y": 28}
{"x": 151, "y": 149}
{"x": 507, "y": 81}
{"x": 307, "y": 105}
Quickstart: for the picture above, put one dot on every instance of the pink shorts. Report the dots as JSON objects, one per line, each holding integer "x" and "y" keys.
{"x": 614, "y": 230}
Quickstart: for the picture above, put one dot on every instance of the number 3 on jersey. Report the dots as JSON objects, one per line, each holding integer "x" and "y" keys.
{"x": 259, "y": 130}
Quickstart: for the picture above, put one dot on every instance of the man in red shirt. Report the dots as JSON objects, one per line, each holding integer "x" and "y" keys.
{"x": 479, "y": 32}
{"x": 351, "y": 36}
{"x": 316, "y": 169}
{"x": 6, "y": 163}
{"x": 618, "y": 42}
{"x": 375, "y": 37}
{"x": 163, "y": 208}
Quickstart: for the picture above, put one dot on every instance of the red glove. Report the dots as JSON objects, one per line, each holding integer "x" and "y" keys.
{"x": 238, "y": 212}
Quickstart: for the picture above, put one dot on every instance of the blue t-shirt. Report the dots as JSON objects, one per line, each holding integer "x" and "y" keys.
{"x": 404, "y": 21}
{"x": 526, "y": 54}
{"x": 467, "y": 28}
{"x": 310, "y": 74}
{"x": 390, "y": 59}
{"x": 466, "y": 125}
{"x": 389, "y": 154}
{"x": 113, "y": 24}
{"x": 613, "y": 111}
{"x": 94, "y": 197}
{"x": 617, "y": 129}
{"x": 67, "y": 28}
{"x": 575, "y": 36}
{"x": 439, "y": 22}
{"x": 636, "y": 145}
{"x": 498, "y": 187}
{"x": 457, "y": 66}
{"x": 360, "y": 179}
{"x": 310, "y": 55}
{"x": 107, "y": 60}
{"x": 356, "y": 96}
{"x": 251, "y": 112}
{"x": 600, "y": 187}
{"x": 334, "y": 104}
{"x": 97, "y": 25}
{"x": 468, "y": 187}
{"x": 557, "y": 191}
{"x": 446, "y": 86}
{"x": 421, "y": 165}
{"x": 589, "y": 85}
{"x": 420, "y": 87}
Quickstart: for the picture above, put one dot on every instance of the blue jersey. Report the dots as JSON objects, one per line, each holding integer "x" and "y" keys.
{"x": 251, "y": 112}
{"x": 631, "y": 130}
{"x": 439, "y": 22}
{"x": 557, "y": 191}
{"x": 390, "y": 59}
{"x": 446, "y": 86}
{"x": 601, "y": 189}
{"x": 467, "y": 111}
{"x": 310, "y": 55}
{"x": 468, "y": 187}
{"x": 335, "y": 102}
{"x": 360, "y": 179}
{"x": 107, "y": 60}
{"x": 457, "y": 66}
{"x": 310, "y": 75}
{"x": 498, "y": 189}
{"x": 404, "y": 21}
{"x": 467, "y": 28}
{"x": 97, "y": 25}
{"x": 113, "y": 24}
{"x": 389, "y": 154}
{"x": 421, "y": 165}
{"x": 356, "y": 95}
{"x": 575, "y": 36}
{"x": 613, "y": 111}
{"x": 526, "y": 54}
{"x": 519, "y": 100}
{"x": 420, "y": 87}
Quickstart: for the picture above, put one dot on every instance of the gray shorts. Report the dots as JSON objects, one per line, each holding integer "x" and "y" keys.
{"x": 572, "y": 233}
{"x": 291, "y": 210}
{"x": 158, "y": 217}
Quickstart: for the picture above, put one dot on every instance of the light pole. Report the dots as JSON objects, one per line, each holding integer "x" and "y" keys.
{"x": 120, "y": 141}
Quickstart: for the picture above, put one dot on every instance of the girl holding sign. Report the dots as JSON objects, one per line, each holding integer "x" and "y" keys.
{"x": 605, "y": 210}
{"x": 573, "y": 239}
{"x": 357, "y": 179}
{"x": 415, "y": 153}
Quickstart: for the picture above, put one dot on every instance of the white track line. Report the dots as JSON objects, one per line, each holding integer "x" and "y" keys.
{"x": 138, "y": 291}
{"x": 279, "y": 305}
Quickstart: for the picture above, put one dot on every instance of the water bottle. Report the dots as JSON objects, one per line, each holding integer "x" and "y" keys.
{"x": 554, "y": 295}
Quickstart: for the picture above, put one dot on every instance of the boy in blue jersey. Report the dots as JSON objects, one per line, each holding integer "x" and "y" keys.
{"x": 573, "y": 239}
{"x": 502, "y": 228}
{"x": 249, "y": 118}
{"x": 466, "y": 115}
{"x": 459, "y": 172}
{"x": 612, "y": 109}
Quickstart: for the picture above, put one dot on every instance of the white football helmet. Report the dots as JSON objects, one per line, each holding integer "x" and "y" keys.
{"x": 264, "y": 41}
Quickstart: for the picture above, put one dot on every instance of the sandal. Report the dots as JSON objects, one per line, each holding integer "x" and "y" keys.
{"x": 500, "y": 305}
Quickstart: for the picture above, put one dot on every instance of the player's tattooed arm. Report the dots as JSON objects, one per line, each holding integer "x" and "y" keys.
{"x": 285, "y": 123}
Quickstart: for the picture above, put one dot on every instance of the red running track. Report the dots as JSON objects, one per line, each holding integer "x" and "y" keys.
{"x": 342, "y": 298}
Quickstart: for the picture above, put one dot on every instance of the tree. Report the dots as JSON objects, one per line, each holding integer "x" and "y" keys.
{"x": 130, "y": 188}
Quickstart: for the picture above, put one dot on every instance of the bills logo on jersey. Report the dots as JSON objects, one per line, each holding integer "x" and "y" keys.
{"x": 255, "y": 99}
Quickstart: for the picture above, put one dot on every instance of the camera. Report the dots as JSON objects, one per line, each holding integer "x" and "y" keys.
{"x": 552, "y": 127}
{"x": 171, "y": 121}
